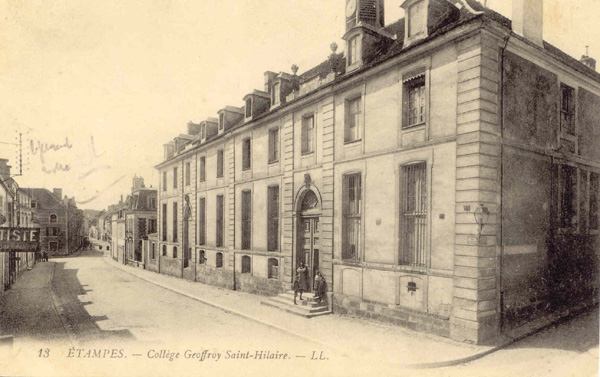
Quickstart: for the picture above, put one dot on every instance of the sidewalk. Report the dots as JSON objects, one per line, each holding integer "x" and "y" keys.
{"x": 351, "y": 336}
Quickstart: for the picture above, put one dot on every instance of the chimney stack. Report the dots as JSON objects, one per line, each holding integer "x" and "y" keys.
{"x": 528, "y": 20}
{"x": 58, "y": 193}
{"x": 138, "y": 183}
{"x": 588, "y": 60}
{"x": 4, "y": 169}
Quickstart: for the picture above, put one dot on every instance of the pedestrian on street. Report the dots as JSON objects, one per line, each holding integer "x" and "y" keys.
{"x": 302, "y": 272}
{"x": 320, "y": 288}
{"x": 296, "y": 288}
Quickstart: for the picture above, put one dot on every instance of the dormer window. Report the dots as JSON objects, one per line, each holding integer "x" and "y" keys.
{"x": 276, "y": 95}
{"x": 221, "y": 121}
{"x": 416, "y": 18}
{"x": 353, "y": 50}
{"x": 249, "y": 107}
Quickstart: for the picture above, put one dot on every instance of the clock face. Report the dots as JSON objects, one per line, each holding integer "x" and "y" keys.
{"x": 350, "y": 8}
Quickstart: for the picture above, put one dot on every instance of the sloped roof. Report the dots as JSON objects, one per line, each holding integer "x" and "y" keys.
{"x": 45, "y": 199}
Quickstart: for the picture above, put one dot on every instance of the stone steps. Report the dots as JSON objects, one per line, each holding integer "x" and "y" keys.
{"x": 307, "y": 308}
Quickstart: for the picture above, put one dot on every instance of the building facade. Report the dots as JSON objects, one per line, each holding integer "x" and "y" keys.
{"x": 442, "y": 173}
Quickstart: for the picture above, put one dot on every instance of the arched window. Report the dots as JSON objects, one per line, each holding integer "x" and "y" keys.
{"x": 202, "y": 257}
{"x": 246, "y": 264}
{"x": 273, "y": 268}
{"x": 219, "y": 261}
{"x": 53, "y": 218}
{"x": 174, "y": 251}
{"x": 164, "y": 250}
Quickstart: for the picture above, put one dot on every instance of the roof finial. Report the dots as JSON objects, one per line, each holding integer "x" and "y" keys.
{"x": 294, "y": 69}
{"x": 587, "y": 50}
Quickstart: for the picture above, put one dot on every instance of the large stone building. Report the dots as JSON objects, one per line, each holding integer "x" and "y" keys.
{"x": 443, "y": 173}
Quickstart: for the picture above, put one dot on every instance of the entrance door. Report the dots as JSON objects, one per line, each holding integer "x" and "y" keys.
{"x": 308, "y": 246}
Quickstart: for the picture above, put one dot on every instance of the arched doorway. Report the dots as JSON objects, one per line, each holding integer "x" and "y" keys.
{"x": 309, "y": 230}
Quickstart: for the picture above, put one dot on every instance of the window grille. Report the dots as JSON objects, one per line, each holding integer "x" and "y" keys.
{"x": 220, "y": 215}
{"x": 273, "y": 218}
{"x": 413, "y": 212}
{"x": 246, "y": 219}
{"x": 352, "y": 200}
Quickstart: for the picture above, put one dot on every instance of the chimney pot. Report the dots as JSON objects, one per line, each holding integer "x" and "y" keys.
{"x": 589, "y": 61}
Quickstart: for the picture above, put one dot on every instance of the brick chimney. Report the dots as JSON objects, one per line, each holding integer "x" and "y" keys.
{"x": 588, "y": 60}
{"x": 527, "y": 20}
{"x": 58, "y": 193}
{"x": 4, "y": 168}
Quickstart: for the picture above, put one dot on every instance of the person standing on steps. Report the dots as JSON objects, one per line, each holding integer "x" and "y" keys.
{"x": 296, "y": 288}
{"x": 302, "y": 272}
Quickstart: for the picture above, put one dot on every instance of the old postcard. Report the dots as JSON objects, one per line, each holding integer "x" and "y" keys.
{"x": 299, "y": 188}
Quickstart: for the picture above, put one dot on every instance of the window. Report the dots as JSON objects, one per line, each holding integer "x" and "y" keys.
{"x": 308, "y": 126}
{"x": 202, "y": 257}
{"x": 221, "y": 121}
{"x": 164, "y": 253}
{"x": 273, "y": 272}
{"x": 202, "y": 221}
{"x": 567, "y": 109}
{"x": 413, "y": 215}
{"x": 249, "y": 107}
{"x": 219, "y": 260}
{"x": 164, "y": 181}
{"x": 220, "y": 163}
{"x": 175, "y": 222}
{"x": 202, "y": 169}
{"x": 151, "y": 226}
{"x": 174, "y": 178}
{"x": 164, "y": 222}
{"x": 33, "y": 203}
{"x": 246, "y": 154}
{"x": 220, "y": 220}
{"x": 273, "y": 218}
{"x": 416, "y": 19}
{"x": 246, "y": 264}
{"x": 187, "y": 173}
{"x": 568, "y": 197}
{"x": 53, "y": 218}
{"x": 175, "y": 252}
{"x": 246, "y": 219}
{"x": 55, "y": 231}
{"x": 352, "y": 199}
{"x": 153, "y": 250}
{"x": 273, "y": 145}
{"x": 414, "y": 100}
{"x": 594, "y": 208}
{"x": 276, "y": 93}
{"x": 353, "y": 120}
{"x": 353, "y": 50}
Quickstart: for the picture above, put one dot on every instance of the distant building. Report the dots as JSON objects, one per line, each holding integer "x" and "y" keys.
{"x": 443, "y": 173}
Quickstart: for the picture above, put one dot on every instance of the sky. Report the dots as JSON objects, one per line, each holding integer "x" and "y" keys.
{"x": 95, "y": 88}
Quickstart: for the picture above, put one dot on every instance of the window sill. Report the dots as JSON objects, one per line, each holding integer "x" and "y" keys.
{"x": 352, "y": 142}
{"x": 422, "y": 124}
{"x": 219, "y": 176}
{"x": 273, "y": 162}
{"x": 246, "y": 169}
{"x": 307, "y": 153}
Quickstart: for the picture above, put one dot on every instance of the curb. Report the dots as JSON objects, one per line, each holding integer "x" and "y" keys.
{"x": 223, "y": 308}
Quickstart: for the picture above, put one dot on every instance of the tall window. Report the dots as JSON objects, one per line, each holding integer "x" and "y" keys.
{"x": 416, "y": 18}
{"x": 164, "y": 222}
{"x": 414, "y": 99}
{"x": 187, "y": 173}
{"x": 175, "y": 222}
{"x": 246, "y": 219}
{"x": 249, "y": 107}
{"x": 352, "y": 199}
{"x": 273, "y": 218}
{"x": 308, "y": 127}
{"x": 202, "y": 169}
{"x": 164, "y": 181}
{"x": 164, "y": 250}
{"x": 220, "y": 224}
{"x": 353, "y": 117}
{"x": 174, "y": 178}
{"x": 151, "y": 226}
{"x": 175, "y": 252}
{"x": 413, "y": 215}
{"x": 568, "y": 197}
{"x": 202, "y": 221}
{"x": 221, "y": 121}
{"x": 273, "y": 145}
{"x": 353, "y": 50}
{"x": 276, "y": 93}
{"x": 246, "y": 264}
{"x": 567, "y": 109}
{"x": 220, "y": 163}
{"x": 246, "y": 154}
{"x": 594, "y": 220}
{"x": 153, "y": 250}
{"x": 219, "y": 260}
{"x": 202, "y": 257}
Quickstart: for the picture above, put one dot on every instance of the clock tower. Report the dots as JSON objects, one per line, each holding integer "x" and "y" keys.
{"x": 369, "y": 12}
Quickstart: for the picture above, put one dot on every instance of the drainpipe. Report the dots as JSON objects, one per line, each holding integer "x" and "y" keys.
{"x": 501, "y": 258}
